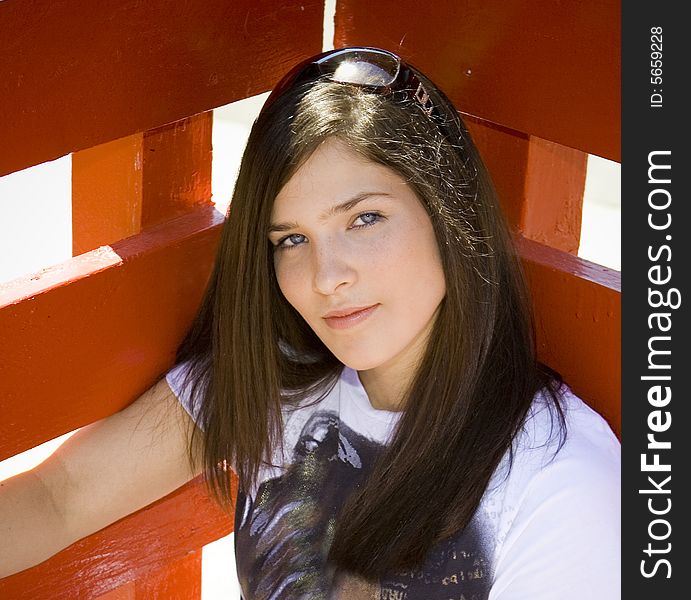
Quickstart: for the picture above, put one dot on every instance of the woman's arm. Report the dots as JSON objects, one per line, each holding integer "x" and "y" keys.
{"x": 105, "y": 471}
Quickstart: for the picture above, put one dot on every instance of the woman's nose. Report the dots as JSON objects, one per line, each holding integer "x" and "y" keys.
{"x": 331, "y": 269}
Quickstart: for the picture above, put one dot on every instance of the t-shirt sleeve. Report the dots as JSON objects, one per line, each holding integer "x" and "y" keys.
{"x": 181, "y": 388}
{"x": 565, "y": 539}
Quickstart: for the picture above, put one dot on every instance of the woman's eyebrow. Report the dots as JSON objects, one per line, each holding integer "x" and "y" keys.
{"x": 337, "y": 208}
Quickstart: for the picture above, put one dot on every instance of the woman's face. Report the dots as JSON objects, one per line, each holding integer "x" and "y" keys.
{"x": 355, "y": 254}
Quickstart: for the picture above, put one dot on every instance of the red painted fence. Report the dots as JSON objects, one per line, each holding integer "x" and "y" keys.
{"x": 127, "y": 87}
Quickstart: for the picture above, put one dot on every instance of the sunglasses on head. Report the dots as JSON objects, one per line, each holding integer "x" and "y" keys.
{"x": 372, "y": 68}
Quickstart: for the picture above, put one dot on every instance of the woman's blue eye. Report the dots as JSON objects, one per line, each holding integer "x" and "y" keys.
{"x": 368, "y": 218}
{"x": 295, "y": 239}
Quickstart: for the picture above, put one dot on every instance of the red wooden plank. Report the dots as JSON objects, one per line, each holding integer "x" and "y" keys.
{"x": 176, "y": 168}
{"x": 540, "y": 183}
{"x": 106, "y": 193}
{"x": 578, "y": 313}
{"x": 126, "y": 591}
{"x": 76, "y": 73}
{"x": 554, "y": 186}
{"x": 82, "y": 339}
{"x": 144, "y": 548}
{"x": 130, "y": 184}
{"x": 548, "y": 68}
{"x": 505, "y": 153}
{"x": 179, "y": 580}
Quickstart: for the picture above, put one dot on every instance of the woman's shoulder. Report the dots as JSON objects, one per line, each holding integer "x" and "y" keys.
{"x": 559, "y": 502}
{"x": 563, "y": 462}
{"x": 563, "y": 444}
{"x": 563, "y": 426}
{"x": 565, "y": 450}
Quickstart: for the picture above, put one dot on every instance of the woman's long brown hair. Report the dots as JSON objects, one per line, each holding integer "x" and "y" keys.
{"x": 250, "y": 352}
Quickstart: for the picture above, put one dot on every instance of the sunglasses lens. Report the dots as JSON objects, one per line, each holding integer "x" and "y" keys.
{"x": 368, "y": 68}
{"x": 362, "y": 74}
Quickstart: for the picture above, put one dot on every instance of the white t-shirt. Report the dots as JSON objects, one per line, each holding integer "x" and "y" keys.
{"x": 550, "y": 530}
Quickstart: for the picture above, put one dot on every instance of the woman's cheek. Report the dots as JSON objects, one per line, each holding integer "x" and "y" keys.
{"x": 288, "y": 281}
{"x": 380, "y": 252}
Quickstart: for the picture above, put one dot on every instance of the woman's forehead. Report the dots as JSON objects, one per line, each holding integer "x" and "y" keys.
{"x": 333, "y": 174}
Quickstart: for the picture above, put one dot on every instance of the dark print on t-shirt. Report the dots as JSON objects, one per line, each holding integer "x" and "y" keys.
{"x": 284, "y": 533}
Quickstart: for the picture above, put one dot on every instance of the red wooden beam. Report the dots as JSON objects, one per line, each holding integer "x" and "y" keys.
{"x": 540, "y": 183}
{"x": 177, "y": 580}
{"x": 554, "y": 187}
{"x": 548, "y": 68}
{"x": 578, "y": 314}
{"x": 82, "y": 339}
{"x": 136, "y": 182}
{"x": 76, "y": 73}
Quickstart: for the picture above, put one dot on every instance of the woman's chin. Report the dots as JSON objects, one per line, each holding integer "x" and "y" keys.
{"x": 359, "y": 362}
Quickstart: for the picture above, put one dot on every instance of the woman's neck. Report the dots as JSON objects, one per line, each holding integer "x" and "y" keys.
{"x": 387, "y": 384}
{"x": 385, "y": 388}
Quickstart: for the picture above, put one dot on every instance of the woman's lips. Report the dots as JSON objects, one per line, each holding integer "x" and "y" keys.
{"x": 349, "y": 320}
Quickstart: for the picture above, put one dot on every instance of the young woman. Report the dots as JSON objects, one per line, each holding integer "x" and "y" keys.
{"x": 364, "y": 361}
